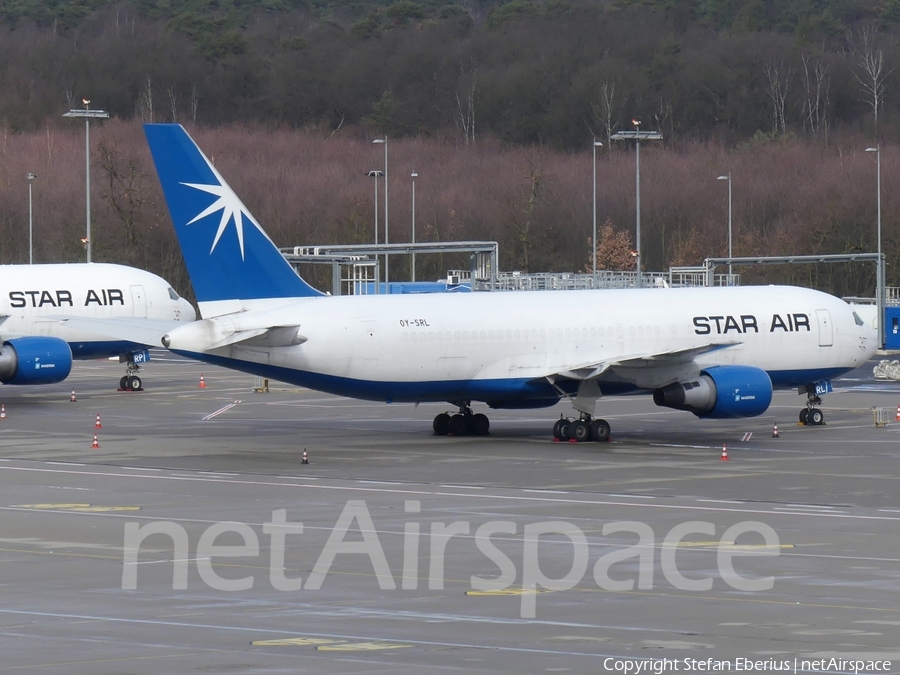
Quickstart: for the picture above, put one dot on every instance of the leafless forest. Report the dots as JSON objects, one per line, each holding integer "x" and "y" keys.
{"x": 791, "y": 196}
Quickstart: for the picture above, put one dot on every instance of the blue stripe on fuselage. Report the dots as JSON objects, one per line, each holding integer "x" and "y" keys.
{"x": 500, "y": 389}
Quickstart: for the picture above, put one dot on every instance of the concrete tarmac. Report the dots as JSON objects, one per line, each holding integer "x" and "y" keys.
{"x": 828, "y": 495}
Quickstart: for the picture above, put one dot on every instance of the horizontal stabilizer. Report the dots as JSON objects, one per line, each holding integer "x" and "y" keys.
{"x": 274, "y": 336}
{"x": 132, "y": 329}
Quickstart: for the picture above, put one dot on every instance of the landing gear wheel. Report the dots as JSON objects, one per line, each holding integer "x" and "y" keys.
{"x": 123, "y": 383}
{"x": 134, "y": 383}
{"x": 479, "y": 425}
{"x": 459, "y": 425}
{"x": 804, "y": 416}
{"x": 557, "y": 429}
{"x": 815, "y": 417}
{"x": 441, "y": 424}
{"x": 564, "y": 430}
{"x": 600, "y": 431}
{"x": 579, "y": 430}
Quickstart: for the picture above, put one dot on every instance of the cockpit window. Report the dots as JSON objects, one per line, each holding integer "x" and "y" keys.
{"x": 174, "y": 295}
{"x": 859, "y": 322}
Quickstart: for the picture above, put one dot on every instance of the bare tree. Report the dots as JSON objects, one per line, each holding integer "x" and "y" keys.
{"x": 195, "y": 101}
{"x": 664, "y": 118}
{"x": 145, "y": 102}
{"x": 815, "y": 104}
{"x": 608, "y": 111}
{"x": 466, "y": 104}
{"x": 870, "y": 73}
{"x": 779, "y": 76}
{"x": 173, "y": 102}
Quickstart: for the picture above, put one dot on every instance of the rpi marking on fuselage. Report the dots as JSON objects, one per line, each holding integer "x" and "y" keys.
{"x": 724, "y": 324}
{"x": 104, "y": 297}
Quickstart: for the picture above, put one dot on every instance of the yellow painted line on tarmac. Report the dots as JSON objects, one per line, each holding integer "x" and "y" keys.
{"x": 505, "y": 591}
{"x": 84, "y": 508}
{"x": 326, "y": 645}
{"x": 360, "y": 646}
{"x": 289, "y": 642}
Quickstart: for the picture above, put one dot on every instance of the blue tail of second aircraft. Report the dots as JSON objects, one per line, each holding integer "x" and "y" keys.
{"x": 228, "y": 255}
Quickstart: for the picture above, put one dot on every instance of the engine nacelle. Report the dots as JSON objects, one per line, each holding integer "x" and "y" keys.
{"x": 35, "y": 360}
{"x": 720, "y": 392}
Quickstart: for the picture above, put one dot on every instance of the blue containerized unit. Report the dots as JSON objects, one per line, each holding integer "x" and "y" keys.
{"x": 892, "y": 327}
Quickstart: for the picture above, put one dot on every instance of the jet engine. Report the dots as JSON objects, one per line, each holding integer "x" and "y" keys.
{"x": 720, "y": 392}
{"x": 35, "y": 360}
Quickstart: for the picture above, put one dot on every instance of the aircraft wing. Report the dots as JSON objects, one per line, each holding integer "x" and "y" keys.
{"x": 593, "y": 371}
{"x": 132, "y": 329}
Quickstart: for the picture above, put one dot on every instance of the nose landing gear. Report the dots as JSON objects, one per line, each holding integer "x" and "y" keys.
{"x": 130, "y": 381}
{"x": 811, "y": 415}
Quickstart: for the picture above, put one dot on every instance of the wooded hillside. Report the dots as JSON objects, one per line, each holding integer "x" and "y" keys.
{"x": 493, "y": 104}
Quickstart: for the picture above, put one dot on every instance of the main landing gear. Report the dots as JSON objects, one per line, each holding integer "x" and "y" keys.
{"x": 583, "y": 429}
{"x": 811, "y": 416}
{"x": 130, "y": 381}
{"x": 464, "y": 423}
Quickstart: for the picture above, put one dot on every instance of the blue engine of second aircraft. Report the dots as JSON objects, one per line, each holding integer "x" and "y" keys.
{"x": 720, "y": 392}
{"x": 35, "y": 360}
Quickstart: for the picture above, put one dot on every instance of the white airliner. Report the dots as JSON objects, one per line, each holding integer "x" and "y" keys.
{"x": 46, "y": 313}
{"x": 716, "y": 352}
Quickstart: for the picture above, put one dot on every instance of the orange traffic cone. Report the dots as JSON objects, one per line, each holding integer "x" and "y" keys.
{"x": 72, "y": 398}
{"x": 203, "y": 384}
{"x": 96, "y": 443}
{"x": 2, "y": 411}
{"x": 775, "y": 431}
{"x": 898, "y": 413}
{"x": 97, "y": 424}
{"x": 724, "y": 456}
{"x": 305, "y": 459}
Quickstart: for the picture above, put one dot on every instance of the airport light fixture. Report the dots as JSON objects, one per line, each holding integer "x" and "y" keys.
{"x": 728, "y": 178}
{"x": 413, "y": 176}
{"x": 597, "y": 144}
{"x": 879, "y": 270}
{"x": 387, "y": 224}
{"x": 637, "y": 136}
{"x": 30, "y": 177}
{"x": 87, "y": 113}
{"x": 375, "y": 174}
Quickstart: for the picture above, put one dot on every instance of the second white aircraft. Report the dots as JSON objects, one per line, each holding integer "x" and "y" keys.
{"x": 716, "y": 352}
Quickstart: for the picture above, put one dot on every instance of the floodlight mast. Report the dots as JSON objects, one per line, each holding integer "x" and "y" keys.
{"x": 87, "y": 113}
{"x": 637, "y": 136}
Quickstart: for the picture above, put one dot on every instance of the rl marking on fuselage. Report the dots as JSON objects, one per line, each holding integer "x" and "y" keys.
{"x": 703, "y": 325}
{"x": 61, "y": 298}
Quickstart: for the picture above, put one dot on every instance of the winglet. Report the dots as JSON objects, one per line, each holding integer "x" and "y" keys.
{"x": 228, "y": 255}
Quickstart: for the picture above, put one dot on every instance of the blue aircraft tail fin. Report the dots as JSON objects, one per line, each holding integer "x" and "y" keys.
{"x": 228, "y": 255}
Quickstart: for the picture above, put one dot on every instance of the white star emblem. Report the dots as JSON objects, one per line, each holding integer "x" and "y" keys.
{"x": 230, "y": 206}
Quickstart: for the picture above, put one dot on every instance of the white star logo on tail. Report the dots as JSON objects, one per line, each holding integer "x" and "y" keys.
{"x": 230, "y": 206}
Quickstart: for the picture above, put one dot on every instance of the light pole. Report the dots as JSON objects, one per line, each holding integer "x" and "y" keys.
{"x": 728, "y": 178}
{"x": 413, "y": 176}
{"x": 597, "y": 144}
{"x": 637, "y": 136}
{"x": 387, "y": 223}
{"x": 87, "y": 114}
{"x": 879, "y": 270}
{"x": 375, "y": 174}
{"x": 30, "y": 178}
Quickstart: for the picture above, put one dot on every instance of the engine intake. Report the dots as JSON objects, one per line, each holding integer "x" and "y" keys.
{"x": 720, "y": 392}
{"x": 35, "y": 360}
